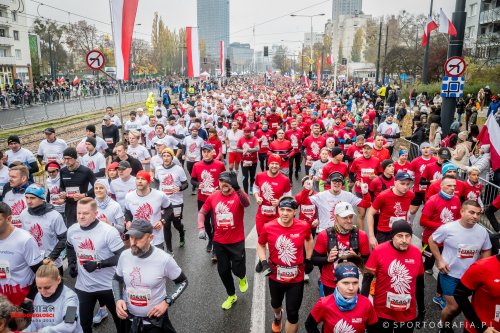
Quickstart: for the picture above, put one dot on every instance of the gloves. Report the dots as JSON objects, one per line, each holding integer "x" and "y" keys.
{"x": 348, "y": 141}
{"x": 73, "y": 270}
{"x": 234, "y": 181}
{"x": 266, "y": 269}
{"x": 202, "y": 234}
{"x": 308, "y": 266}
{"x": 258, "y": 267}
{"x": 364, "y": 188}
{"x": 90, "y": 266}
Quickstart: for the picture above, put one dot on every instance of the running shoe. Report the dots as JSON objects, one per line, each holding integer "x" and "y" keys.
{"x": 214, "y": 258}
{"x": 439, "y": 300}
{"x": 243, "y": 285}
{"x": 182, "y": 240}
{"x": 228, "y": 303}
{"x": 306, "y": 278}
{"x": 276, "y": 325}
{"x": 100, "y": 315}
{"x": 429, "y": 271}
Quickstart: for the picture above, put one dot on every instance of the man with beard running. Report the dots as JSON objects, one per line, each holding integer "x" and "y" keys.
{"x": 269, "y": 186}
{"x": 93, "y": 251}
{"x": 227, "y": 206}
{"x": 290, "y": 246}
{"x": 142, "y": 273}
{"x": 205, "y": 176}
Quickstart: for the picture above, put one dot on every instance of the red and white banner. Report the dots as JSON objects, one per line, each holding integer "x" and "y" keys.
{"x": 329, "y": 60}
{"x": 221, "y": 57}
{"x": 123, "y": 21}
{"x": 429, "y": 26}
{"x": 490, "y": 135}
{"x": 193, "y": 52}
{"x": 305, "y": 80}
{"x": 445, "y": 24}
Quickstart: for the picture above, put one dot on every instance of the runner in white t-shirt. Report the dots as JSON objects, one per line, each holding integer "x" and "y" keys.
{"x": 137, "y": 150}
{"x": 125, "y": 183}
{"x": 94, "y": 160}
{"x": 50, "y": 149}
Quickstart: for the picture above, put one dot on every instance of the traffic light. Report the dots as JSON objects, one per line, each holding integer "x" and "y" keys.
{"x": 228, "y": 67}
{"x": 344, "y": 61}
{"x": 266, "y": 51}
{"x": 310, "y": 75}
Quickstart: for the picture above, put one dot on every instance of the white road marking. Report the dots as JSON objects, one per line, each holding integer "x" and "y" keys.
{"x": 258, "y": 314}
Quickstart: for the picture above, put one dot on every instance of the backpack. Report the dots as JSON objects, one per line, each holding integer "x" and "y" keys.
{"x": 333, "y": 242}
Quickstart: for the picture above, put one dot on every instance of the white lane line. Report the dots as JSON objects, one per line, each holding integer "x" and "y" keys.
{"x": 258, "y": 314}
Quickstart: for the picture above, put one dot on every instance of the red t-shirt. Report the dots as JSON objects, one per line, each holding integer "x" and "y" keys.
{"x": 382, "y": 154}
{"x": 313, "y": 146}
{"x": 392, "y": 208}
{"x": 438, "y": 211}
{"x": 227, "y": 216}
{"x": 435, "y": 187}
{"x": 274, "y": 121}
{"x": 264, "y": 139}
{"x": 432, "y": 172}
{"x": 364, "y": 168}
{"x": 241, "y": 119}
{"x": 271, "y": 188}
{"x": 282, "y": 148}
{"x": 286, "y": 249}
{"x": 321, "y": 246}
{"x": 483, "y": 278}
{"x": 418, "y": 166}
{"x": 307, "y": 210}
{"x": 331, "y": 167}
{"x": 217, "y": 144}
{"x": 354, "y": 151}
{"x": 353, "y": 321}
{"x": 295, "y": 138}
{"x": 249, "y": 158}
{"x": 396, "y": 281}
{"x": 471, "y": 192}
{"x": 405, "y": 167}
{"x": 380, "y": 184}
{"x": 208, "y": 176}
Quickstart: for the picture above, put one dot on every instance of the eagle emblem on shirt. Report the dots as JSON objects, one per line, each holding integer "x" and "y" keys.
{"x": 135, "y": 277}
{"x": 207, "y": 180}
{"x": 400, "y": 277}
{"x": 168, "y": 180}
{"x": 267, "y": 191}
{"x": 314, "y": 148}
{"x": 37, "y": 233}
{"x": 18, "y": 207}
{"x": 343, "y": 327}
{"x": 144, "y": 212}
{"x": 286, "y": 250}
{"x": 446, "y": 215}
{"x": 221, "y": 208}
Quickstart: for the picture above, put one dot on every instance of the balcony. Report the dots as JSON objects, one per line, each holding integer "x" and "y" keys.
{"x": 6, "y": 41}
{"x": 5, "y": 3}
{"x": 490, "y": 16}
{"x": 7, "y": 60}
{"x": 4, "y": 21}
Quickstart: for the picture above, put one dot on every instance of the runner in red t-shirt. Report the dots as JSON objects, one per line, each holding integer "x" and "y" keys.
{"x": 490, "y": 213}
{"x": 384, "y": 181}
{"x": 290, "y": 245}
{"x": 472, "y": 188}
{"x": 399, "y": 286}
{"x": 307, "y": 210}
{"x": 264, "y": 136}
{"x": 269, "y": 186}
{"x": 295, "y": 136}
{"x": 311, "y": 147}
{"x": 274, "y": 120}
{"x": 337, "y": 316}
{"x": 335, "y": 164}
{"x": 392, "y": 204}
{"x": 402, "y": 163}
{"x": 379, "y": 151}
{"x": 248, "y": 146}
{"x": 346, "y": 135}
{"x": 283, "y": 148}
{"x": 227, "y": 207}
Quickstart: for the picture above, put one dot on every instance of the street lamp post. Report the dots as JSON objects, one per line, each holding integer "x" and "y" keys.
{"x": 311, "y": 18}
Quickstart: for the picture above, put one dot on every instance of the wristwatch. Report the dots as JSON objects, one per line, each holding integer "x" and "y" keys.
{"x": 168, "y": 300}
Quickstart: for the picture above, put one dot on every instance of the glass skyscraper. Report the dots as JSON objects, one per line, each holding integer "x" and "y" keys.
{"x": 213, "y": 25}
{"x": 346, "y": 7}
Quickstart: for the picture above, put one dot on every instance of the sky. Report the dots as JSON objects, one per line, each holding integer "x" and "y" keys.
{"x": 273, "y": 25}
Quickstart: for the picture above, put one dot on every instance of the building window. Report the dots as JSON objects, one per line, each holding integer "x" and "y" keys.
{"x": 473, "y": 9}
{"x": 3, "y": 52}
{"x": 14, "y": 16}
{"x": 16, "y": 35}
{"x": 2, "y": 32}
{"x": 18, "y": 54}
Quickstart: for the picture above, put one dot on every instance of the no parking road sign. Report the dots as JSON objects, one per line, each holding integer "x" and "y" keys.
{"x": 455, "y": 66}
{"x": 95, "y": 60}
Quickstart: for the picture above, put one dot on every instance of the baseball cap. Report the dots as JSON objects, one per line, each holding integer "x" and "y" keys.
{"x": 124, "y": 165}
{"x": 113, "y": 166}
{"x": 403, "y": 176}
{"x": 344, "y": 209}
{"x": 106, "y": 117}
{"x": 444, "y": 153}
{"x": 334, "y": 176}
{"x": 349, "y": 124}
{"x": 369, "y": 144}
{"x": 207, "y": 146}
{"x": 49, "y": 130}
{"x": 139, "y": 228}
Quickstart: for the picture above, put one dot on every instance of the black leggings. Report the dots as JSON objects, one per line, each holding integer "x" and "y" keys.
{"x": 390, "y": 326}
{"x": 248, "y": 171}
{"x": 87, "y": 303}
{"x": 230, "y": 258}
{"x": 189, "y": 167}
{"x": 208, "y": 223}
{"x": 166, "y": 328}
{"x": 294, "y": 293}
{"x": 177, "y": 222}
{"x": 263, "y": 161}
{"x": 295, "y": 158}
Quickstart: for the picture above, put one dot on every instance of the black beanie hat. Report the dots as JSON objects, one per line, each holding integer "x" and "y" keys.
{"x": 92, "y": 141}
{"x": 13, "y": 138}
{"x": 70, "y": 152}
{"x": 386, "y": 163}
{"x": 401, "y": 226}
{"x": 90, "y": 128}
{"x": 336, "y": 151}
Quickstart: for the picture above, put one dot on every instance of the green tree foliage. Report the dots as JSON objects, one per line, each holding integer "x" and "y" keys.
{"x": 51, "y": 33}
{"x": 281, "y": 60}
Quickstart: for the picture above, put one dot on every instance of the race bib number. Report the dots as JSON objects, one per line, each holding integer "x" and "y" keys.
{"x": 366, "y": 173}
{"x": 71, "y": 191}
{"x": 85, "y": 255}
{"x": 423, "y": 187}
{"x": 295, "y": 145}
{"x": 16, "y": 221}
{"x": 177, "y": 211}
{"x": 247, "y": 163}
{"x": 108, "y": 140}
{"x": 497, "y": 313}
{"x": 225, "y": 221}
{"x": 52, "y": 157}
{"x": 286, "y": 273}
{"x": 4, "y": 270}
{"x": 268, "y": 210}
{"x": 207, "y": 191}
{"x": 167, "y": 189}
{"x": 398, "y": 302}
{"x": 274, "y": 125}
{"x": 191, "y": 158}
{"x": 465, "y": 251}
{"x": 308, "y": 210}
{"x": 139, "y": 297}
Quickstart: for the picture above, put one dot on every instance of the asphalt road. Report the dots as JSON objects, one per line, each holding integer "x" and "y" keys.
{"x": 199, "y": 308}
{"x": 23, "y": 116}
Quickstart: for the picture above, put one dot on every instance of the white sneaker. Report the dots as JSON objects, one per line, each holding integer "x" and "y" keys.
{"x": 100, "y": 315}
{"x": 306, "y": 278}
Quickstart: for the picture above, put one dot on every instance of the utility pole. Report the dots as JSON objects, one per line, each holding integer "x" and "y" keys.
{"x": 378, "y": 52}
{"x": 426, "y": 53}
{"x": 455, "y": 48}
{"x": 385, "y": 52}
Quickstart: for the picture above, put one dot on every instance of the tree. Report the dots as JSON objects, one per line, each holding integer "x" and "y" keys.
{"x": 281, "y": 60}
{"x": 80, "y": 38}
{"x": 371, "y": 29}
{"x": 357, "y": 46}
{"x": 51, "y": 35}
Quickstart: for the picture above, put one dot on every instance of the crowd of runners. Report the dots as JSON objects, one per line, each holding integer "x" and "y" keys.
{"x": 103, "y": 211}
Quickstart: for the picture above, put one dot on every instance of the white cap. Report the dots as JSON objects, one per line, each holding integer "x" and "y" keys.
{"x": 344, "y": 209}
{"x": 140, "y": 110}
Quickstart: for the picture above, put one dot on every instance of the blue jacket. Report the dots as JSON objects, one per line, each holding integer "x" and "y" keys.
{"x": 493, "y": 108}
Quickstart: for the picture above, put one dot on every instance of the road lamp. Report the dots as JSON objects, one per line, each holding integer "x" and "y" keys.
{"x": 312, "y": 44}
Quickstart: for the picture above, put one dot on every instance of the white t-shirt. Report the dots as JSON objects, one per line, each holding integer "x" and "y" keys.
{"x": 4, "y": 178}
{"x": 148, "y": 208}
{"x": 133, "y": 125}
{"x": 119, "y": 189}
{"x": 233, "y": 139}
{"x": 96, "y": 244}
{"x": 94, "y": 162}
{"x": 17, "y": 204}
{"x": 17, "y": 253}
{"x": 23, "y": 155}
{"x": 461, "y": 246}
{"x": 143, "y": 120}
{"x": 113, "y": 213}
{"x": 54, "y": 188}
{"x": 169, "y": 178}
{"x": 44, "y": 230}
{"x": 193, "y": 148}
{"x": 149, "y": 134}
{"x": 325, "y": 203}
{"x": 52, "y": 151}
{"x": 139, "y": 152}
{"x": 390, "y": 129}
{"x": 101, "y": 145}
{"x": 145, "y": 279}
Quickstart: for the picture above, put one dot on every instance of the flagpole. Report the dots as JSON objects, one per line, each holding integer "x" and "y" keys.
{"x": 426, "y": 53}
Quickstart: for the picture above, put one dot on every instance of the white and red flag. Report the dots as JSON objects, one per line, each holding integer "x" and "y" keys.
{"x": 445, "y": 24}
{"x": 76, "y": 80}
{"x": 193, "y": 52}
{"x": 490, "y": 135}
{"x": 429, "y": 26}
{"x": 305, "y": 80}
{"x": 123, "y": 21}
{"x": 329, "y": 60}
{"x": 221, "y": 57}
